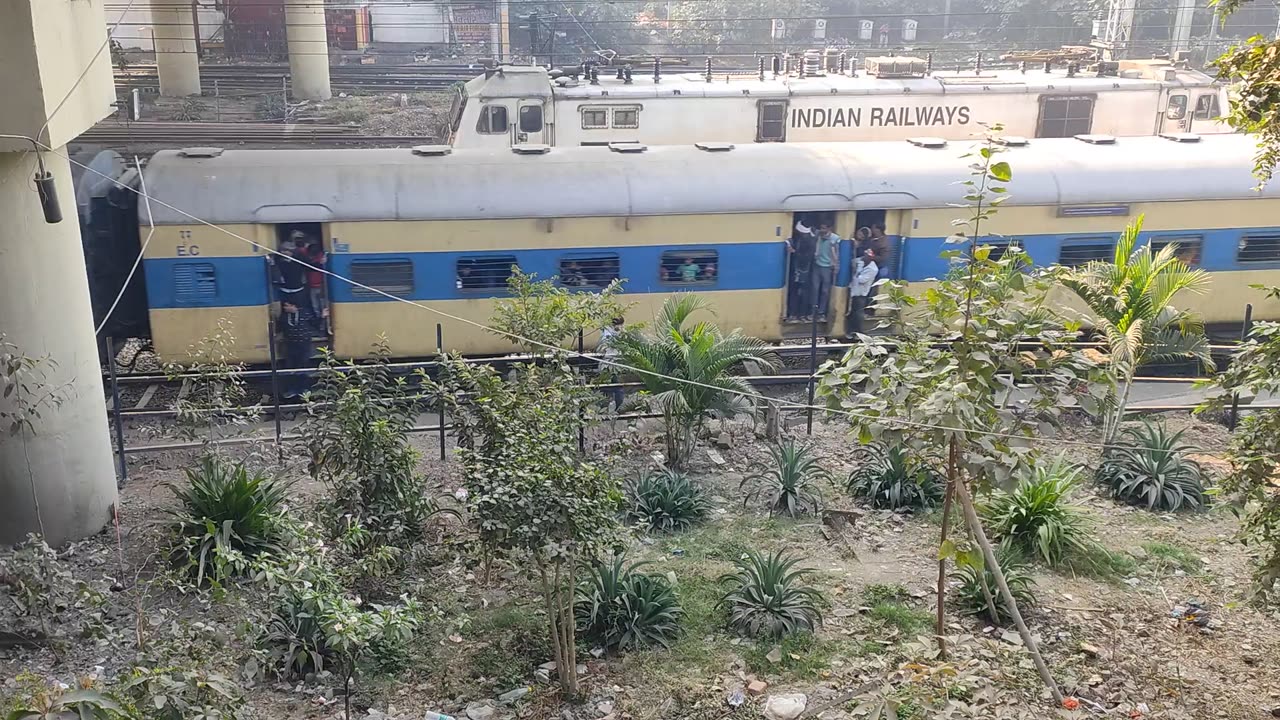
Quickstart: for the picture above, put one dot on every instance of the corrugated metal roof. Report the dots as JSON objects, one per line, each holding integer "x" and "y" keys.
{"x": 246, "y": 186}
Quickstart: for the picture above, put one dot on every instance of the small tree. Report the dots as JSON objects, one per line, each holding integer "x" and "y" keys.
{"x": 1254, "y": 452}
{"x": 970, "y": 396}
{"x": 25, "y": 396}
{"x": 529, "y": 492}
{"x": 551, "y": 315}
{"x": 216, "y": 393}
{"x": 1130, "y": 300}
{"x": 687, "y": 371}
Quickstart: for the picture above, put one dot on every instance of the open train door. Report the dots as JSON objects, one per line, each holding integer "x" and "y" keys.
{"x": 531, "y": 124}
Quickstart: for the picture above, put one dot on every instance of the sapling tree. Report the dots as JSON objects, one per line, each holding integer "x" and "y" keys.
{"x": 25, "y": 395}
{"x": 215, "y": 393}
{"x": 530, "y": 493}
{"x": 980, "y": 366}
{"x": 541, "y": 315}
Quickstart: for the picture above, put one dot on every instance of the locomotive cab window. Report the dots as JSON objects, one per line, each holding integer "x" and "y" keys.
{"x": 1177, "y": 107}
{"x": 588, "y": 271}
{"x": 690, "y": 267}
{"x": 1188, "y": 247}
{"x": 1259, "y": 249}
{"x": 530, "y": 118}
{"x": 194, "y": 282}
{"x": 772, "y": 123}
{"x": 390, "y": 276}
{"x": 1207, "y": 107}
{"x": 493, "y": 120}
{"x": 485, "y": 273}
{"x": 1077, "y": 254}
{"x": 1065, "y": 116}
{"x": 595, "y": 118}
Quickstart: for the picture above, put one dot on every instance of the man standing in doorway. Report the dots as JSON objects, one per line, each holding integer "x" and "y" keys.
{"x": 825, "y": 260}
{"x": 864, "y": 278}
{"x": 800, "y": 248}
{"x": 880, "y": 243}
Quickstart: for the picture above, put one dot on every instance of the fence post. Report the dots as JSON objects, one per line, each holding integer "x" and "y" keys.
{"x": 217, "y": 100}
{"x": 1234, "y": 417}
{"x": 275, "y": 378}
{"x": 115, "y": 412}
{"x": 440, "y": 352}
{"x": 813, "y": 336}
{"x": 582, "y": 412}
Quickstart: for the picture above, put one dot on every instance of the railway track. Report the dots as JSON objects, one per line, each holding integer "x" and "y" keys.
{"x": 372, "y": 78}
{"x": 233, "y": 134}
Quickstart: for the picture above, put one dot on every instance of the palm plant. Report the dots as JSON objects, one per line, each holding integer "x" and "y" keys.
{"x": 787, "y": 484}
{"x": 767, "y": 597}
{"x": 1129, "y": 299}
{"x": 1036, "y": 519}
{"x": 225, "y": 513}
{"x": 1153, "y": 469}
{"x": 891, "y": 478}
{"x": 666, "y": 501}
{"x": 687, "y": 369}
{"x": 621, "y": 608}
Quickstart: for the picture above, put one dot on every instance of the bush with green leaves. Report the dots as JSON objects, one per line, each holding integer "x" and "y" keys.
{"x": 788, "y": 484}
{"x": 1150, "y": 468}
{"x": 1037, "y": 520}
{"x": 226, "y": 516}
{"x": 976, "y": 582}
{"x": 620, "y": 608}
{"x": 176, "y": 693}
{"x": 37, "y": 699}
{"x": 768, "y": 597}
{"x": 892, "y": 478}
{"x": 666, "y": 501}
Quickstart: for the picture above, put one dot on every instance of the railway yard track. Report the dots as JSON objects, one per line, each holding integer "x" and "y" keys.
{"x": 266, "y": 77}
{"x": 172, "y": 133}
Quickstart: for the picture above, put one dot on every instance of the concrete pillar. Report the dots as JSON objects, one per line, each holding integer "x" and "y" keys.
{"x": 1182, "y": 26}
{"x": 45, "y": 311}
{"x": 177, "y": 61}
{"x": 308, "y": 49}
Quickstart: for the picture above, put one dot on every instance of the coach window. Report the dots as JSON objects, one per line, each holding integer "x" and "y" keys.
{"x": 588, "y": 271}
{"x": 772, "y": 125}
{"x": 690, "y": 267}
{"x": 1259, "y": 249}
{"x": 493, "y": 120}
{"x": 1188, "y": 247}
{"x": 194, "y": 282}
{"x": 1207, "y": 107}
{"x": 626, "y": 117}
{"x": 1065, "y": 116}
{"x": 1080, "y": 253}
{"x": 595, "y": 118}
{"x": 1177, "y": 107}
{"x": 530, "y": 118}
{"x": 485, "y": 273}
{"x": 998, "y": 249}
{"x": 394, "y": 277}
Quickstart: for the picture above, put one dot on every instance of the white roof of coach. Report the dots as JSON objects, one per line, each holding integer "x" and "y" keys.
{"x": 271, "y": 186}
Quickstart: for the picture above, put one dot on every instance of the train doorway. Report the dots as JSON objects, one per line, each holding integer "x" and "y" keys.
{"x": 808, "y": 283}
{"x": 531, "y": 125}
{"x": 299, "y": 285}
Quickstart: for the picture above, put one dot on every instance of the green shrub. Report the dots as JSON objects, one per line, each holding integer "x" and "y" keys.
{"x": 971, "y": 600}
{"x": 226, "y": 517}
{"x": 767, "y": 597}
{"x": 666, "y": 501}
{"x": 908, "y": 620}
{"x": 1036, "y": 519}
{"x": 877, "y": 593}
{"x": 179, "y": 694}
{"x": 38, "y": 699}
{"x": 1152, "y": 469}
{"x": 787, "y": 484}
{"x": 891, "y": 478}
{"x": 619, "y": 608}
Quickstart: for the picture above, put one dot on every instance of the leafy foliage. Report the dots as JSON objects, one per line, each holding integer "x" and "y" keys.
{"x": 620, "y": 608}
{"x": 225, "y": 516}
{"x": 767, "y": 596}
{"x": 1152, "y": 468}
{"x": 217, "y": 396}
{"x": 551, "y": 315}
{"x": 687, "y": 371}
{"x": 1251, "y": 69}
{"x": 1130, "y": 299}
{"x": 893, "y": 478}
{"x": 971, "y": 598}
{"x": 182, "y": 694}
{"x": 666, "y": 501}
{"x": 1036, "y": 519}
{"x": 787, "y": 485}
{"x": 49, "y": 703}
{"x": 736, "y": 23}
{"x": 24, "y": 389}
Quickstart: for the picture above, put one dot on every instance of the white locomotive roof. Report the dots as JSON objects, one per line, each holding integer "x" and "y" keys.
{"x": 271, "y": 186}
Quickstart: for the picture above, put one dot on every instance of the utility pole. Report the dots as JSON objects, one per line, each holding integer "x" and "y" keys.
{"x": 1182, "y": 26}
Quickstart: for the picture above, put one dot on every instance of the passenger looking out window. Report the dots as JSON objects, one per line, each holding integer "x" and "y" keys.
{"x": 573, "y": 276}
{"x": 689, "y": 270}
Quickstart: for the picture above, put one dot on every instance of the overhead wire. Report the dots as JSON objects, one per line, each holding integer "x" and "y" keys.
{"x": 602, "y": 360}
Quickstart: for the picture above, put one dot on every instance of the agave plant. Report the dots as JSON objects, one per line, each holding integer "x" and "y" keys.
{"x": 666, "y": 501}
{"x": 787, "y": 484}
{"x": 225, "y": 512}
{"x": 1153, "y": 469}
{"x": 1037, "y": 520}
{"x": 295, "y": 638}
{"x": 891, "y": 478}
{"x": 767, "y": 597}
{"x": 620, "y": 608}
{"x": 971, "y": 599}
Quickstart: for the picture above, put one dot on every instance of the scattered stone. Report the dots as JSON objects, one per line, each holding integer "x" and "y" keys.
{"x": 597, "y": 652}
{"x": 513, "y": 695}
{"x": 1132, "y": 582}
{"x": 757, "y": 687}
{"x": 1011, "y": 637}
{"x": 735, "y": 698}
{"x": 785, "y": 707}
{"x": 479, "y": 711}
{"x": 605, "y": 708}
{"x": 775, "y": 655}
{"x": 716, "y": 457}
{"x": 1092, "y": 651}
{"x": 1275, "y": 711}
{"x": 723, "y": 440}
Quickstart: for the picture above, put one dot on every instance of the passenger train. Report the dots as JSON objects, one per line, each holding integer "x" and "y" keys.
{"x": 444, "y": 228}
{"x": 890, "y": 98}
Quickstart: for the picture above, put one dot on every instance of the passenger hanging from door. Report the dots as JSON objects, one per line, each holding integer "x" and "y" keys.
{"x": 825, "y": 261}
{"x": 861, "y": 284}
{"x": 291, "y": 274}
{"x": 313, "y": 255}
{"x": 800, "y": 251}
{"x": 880, "y": 243}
